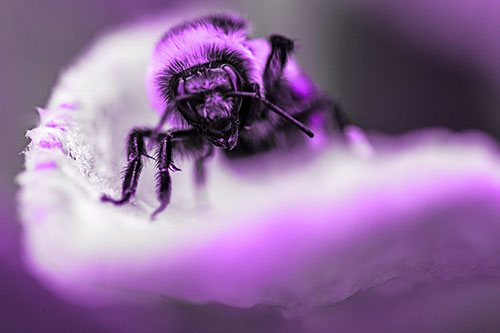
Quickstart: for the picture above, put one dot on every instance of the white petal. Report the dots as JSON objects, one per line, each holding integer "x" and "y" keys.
{"x": 423, "y": 208}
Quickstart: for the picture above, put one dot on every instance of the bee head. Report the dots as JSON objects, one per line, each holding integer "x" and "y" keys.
{"x": 206, "y": 105}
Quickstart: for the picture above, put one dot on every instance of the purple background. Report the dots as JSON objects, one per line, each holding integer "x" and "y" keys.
{"x": 394, "y": 67}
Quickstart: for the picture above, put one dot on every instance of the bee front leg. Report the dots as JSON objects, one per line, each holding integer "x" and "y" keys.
{"x": 281, "y": 48}
{"x": 164, "y": 165}
{"x": 341, "y": 119}
{"x": 336, "y": 115}
{"x": 135, "y": 151}
{"x": 163, "y": 180}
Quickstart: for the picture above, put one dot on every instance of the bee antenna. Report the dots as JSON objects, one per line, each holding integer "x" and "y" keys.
{"x": 275, "y": 109}
{"x": 170, "y": 107}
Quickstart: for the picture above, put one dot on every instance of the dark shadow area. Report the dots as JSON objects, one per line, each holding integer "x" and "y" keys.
{"x": 392, "y": 85}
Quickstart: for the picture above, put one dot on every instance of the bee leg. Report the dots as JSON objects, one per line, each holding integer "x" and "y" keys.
{"x": 338, "y": 116}
{"x": 164, "y": 165}
{"x": 281, "y": 47}
{"x": 199, "y": 175}
{"x": 135, "y": 150}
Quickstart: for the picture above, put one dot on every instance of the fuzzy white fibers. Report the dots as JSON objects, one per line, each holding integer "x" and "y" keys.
{"x": 307, "y": 231}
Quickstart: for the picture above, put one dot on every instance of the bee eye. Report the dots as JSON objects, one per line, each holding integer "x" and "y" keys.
{"x": 232, "y": 75}
{"x": 180, "y": 88}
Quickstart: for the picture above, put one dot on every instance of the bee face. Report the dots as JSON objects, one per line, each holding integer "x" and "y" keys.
{"x": 214, "y": 114}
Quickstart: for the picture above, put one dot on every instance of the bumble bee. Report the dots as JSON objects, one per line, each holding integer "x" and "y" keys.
{"x": 217, "y": 88}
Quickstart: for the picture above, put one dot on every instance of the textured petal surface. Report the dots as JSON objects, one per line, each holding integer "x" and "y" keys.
{"x": 293, "y": 231}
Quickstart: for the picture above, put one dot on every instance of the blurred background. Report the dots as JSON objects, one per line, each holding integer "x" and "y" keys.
{"x": 394, "y": 65}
